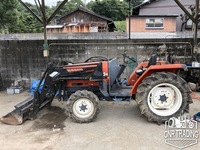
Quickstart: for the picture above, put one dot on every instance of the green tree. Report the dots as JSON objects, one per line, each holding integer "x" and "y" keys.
{"x": 115, "y": 9}
{"x": 8, "y": 15}
{"x": 69, "y": 6}
{"x": 28, "y": 23}
{"x": 120, "y": 26}
{"x": 15, "y": 18}
{"x": 134, "y": 2}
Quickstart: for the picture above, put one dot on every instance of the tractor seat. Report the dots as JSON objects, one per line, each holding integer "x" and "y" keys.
{"x": 152, "y": 61}
{"x": 141, "y": 71}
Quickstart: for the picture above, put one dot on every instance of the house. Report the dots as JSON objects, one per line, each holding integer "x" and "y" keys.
{"x": 153, "y": 23}
{"x": 160, "y": 16}
{"x": 82, "y": 20}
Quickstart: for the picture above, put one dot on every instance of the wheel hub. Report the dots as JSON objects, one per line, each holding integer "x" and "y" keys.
{"x": 83, "y": 108}
{"x": 162, "y": 98}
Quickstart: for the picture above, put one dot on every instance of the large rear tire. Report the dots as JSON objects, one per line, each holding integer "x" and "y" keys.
{"x": 163, "y": 95}
{"x": 83, "y": 106}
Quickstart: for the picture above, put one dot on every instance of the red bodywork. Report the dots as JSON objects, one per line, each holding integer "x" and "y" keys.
{"x": 85, "y": 83}
{"x": 134, "y": 80}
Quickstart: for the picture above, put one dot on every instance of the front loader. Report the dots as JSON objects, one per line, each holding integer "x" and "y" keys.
{"x": 155, "y": 85}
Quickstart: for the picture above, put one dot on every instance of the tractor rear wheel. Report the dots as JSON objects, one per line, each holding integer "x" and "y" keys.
{"x": 163, "y": 95}
{"x": 83, "y": 106}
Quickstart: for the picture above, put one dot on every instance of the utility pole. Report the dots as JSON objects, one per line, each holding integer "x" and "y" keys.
{"x": 196, "y": 17}
{"x": 129, "y": 20}
{"x": 44, "y": 20}
{"x": 195, "y": 20}
{"x": 45, "y": 45}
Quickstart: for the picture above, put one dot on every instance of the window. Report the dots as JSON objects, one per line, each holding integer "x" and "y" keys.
{"x": 154, "y": 22}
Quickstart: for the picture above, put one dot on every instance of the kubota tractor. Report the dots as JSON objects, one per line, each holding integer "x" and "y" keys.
{"x": 155, "y": 85}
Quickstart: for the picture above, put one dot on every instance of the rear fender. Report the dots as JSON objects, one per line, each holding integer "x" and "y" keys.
{"x": 173, "y": 68}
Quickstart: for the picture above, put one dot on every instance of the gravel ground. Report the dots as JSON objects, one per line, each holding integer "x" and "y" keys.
{"x": 119, "y": 126}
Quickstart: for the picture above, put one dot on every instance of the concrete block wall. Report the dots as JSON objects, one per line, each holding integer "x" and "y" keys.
{"x": 20, "y": 59}
{"x": 23, "y": 59}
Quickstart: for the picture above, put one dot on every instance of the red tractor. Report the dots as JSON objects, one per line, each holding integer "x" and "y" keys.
{"x": 155, "y": 85}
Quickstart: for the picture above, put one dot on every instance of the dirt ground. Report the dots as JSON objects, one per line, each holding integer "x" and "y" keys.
{"x": 119, "y": 126}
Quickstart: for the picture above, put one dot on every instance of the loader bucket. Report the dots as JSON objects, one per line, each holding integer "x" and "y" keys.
{"x": 12, "y": 118}
{"x": 21, "y": 113}
{"x": 28, "y": 109}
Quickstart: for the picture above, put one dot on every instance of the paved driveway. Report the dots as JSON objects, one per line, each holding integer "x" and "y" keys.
{"x": 119, "y": 126}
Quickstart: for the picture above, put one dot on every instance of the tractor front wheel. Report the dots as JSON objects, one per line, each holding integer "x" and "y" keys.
{"x": 163, "y": 95}
{"x": 83, "y": 106}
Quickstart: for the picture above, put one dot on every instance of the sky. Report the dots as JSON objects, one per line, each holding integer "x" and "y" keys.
{"x": 48, "y": 2}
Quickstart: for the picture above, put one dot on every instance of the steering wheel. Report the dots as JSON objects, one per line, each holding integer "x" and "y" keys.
{"x": 96, "y": 58}
{"x": 125, "y": 56}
